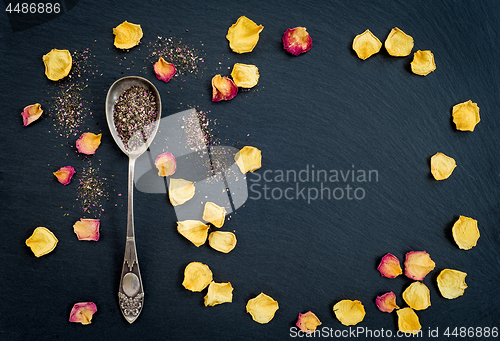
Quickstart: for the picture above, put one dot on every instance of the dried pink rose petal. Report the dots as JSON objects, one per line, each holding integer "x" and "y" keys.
{"x": 31, "y": 113}
{"x": 223, "y": 88}
{"x": 418, "y": 264}
{"x": 297, "y": 40}
{"x": 88, "y": 143}
{"x": 87, "y": 229}
{"x": 82, "y": 312}
{"x": 308, "y": 322}
{"x": 387, "y": 302}
{"x": 164, "y": 70}
{"x": 64, "y": 174}
{"x": 166, "y": 164}
{"x": 389, "y": 266}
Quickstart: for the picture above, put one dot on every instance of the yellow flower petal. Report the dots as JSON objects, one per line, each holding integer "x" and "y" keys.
{"x": 389, "y": 266}
{"x": 180, "y": 191}
{"x": 418, "y": 264}
{"x": 248, "y": 159}
{"x": 164, "y": 71}
{"x": 193, "y": 230}
{"x": 88, "y": 143}
{"x": 451, "y": 283}
{"x": 31, "y": 113}
{"x": 222, "y": 241}
{"x": 214, "y": 214}
{"x": 262, "y": 308}
{"x": 127, "y": 35}
{"x": 465, "y": 232}
{"x": 308, "y": 322}
{"x": 442, "y": 166}
{"x": 417, "y": 296}
{"x": 218, "y": 293}
{"x": 87, "y": 229}
{"x": 423, "y": 63}
{"x": 243, "y": 35}
{"x": 348, "y": 312}
{"x": 245, "y": 75}
{"x": 366, "y": 44}
{"x": 197, "y": 276}
{"x": 223, "y": 89}
{"x": 466, "y": 115}
{"x": 408, "y": 321}
{"x": 398, "y": 43}
{"x": 57, "y": 64}
{"x": 42, "y": 241}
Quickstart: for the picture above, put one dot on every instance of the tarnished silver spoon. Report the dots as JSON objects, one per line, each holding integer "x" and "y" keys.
{"x": 131, "y": 292}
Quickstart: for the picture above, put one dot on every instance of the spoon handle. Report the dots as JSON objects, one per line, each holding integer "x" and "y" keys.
{"x": 130, "y": 293}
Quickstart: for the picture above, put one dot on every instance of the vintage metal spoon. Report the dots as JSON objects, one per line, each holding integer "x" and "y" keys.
{"x": 131, "y": 292}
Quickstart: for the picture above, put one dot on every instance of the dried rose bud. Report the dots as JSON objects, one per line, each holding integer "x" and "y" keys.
{"x": 31, "y": 113}
{"x": 387, "y": 302}
{"x": 308, "y": 322}
{"x": 297, "y": 40}
{"x": 223, "y": 89}
{"x": 164, "y": 71}
{"x": 88, "y": 143}
{"x": 87, "y": 229}
{"x": 389, "y": 266}
{"x": 166, "y": 164}
{"x": 82, "y": 312}
{"x": 64, "y": 174}
{"x": 418, "y": 264}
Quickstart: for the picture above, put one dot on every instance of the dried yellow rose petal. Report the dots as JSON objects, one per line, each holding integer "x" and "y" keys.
{"x": 248, "y": 159}
{"x": 194, "y": 230}
{"x": 451, "y": 283}
{"x": 82, "y": 312}
{"x": 418, "y": 264}
{"x": 442, "y": 166}
{"x": 398, "y": 43}
{"x": 408, "y": 321}
{"x": 197, "y": 276}
{"x": 262, "y": 308}
{"x": 308, "y": 322}
{"x": 223, "y": 89}
{"x": 245, "y": 75}
{"x": 465, "y": 232}
{"x": 218, "y": 293}
{"x": 214, "y": 214}
{"x": 466, "y": 115}
{"x": 164, "y": 70}
{"x": 243, "y": 35}
{"x": 222, "y": 241}
{"x": 387, "y": 302}
{"x": 88, "y": 143}
{"x": 417, "y": 296}
{"x": 42, "y": 241}
{"x": 366, "y": 44}
{"x": 87, "y": 229}
{"x": 348, "y": 312}
{"x": 180, "y": 191}
{"x": 57, "y": 64}
{"x": 389, "y": 266}
{"x": 127, "y": 35}
{"x": 423, "y": 63}
{"x": 31, "y": 113}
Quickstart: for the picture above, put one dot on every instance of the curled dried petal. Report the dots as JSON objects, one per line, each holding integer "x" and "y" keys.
{"x": 243, "y": 35}
{"x": 387, "y": 302}
{"x": 64, "y": 174}
{"x": 451, "y": 283}
{"x": 245, "y": 75}
{"x": 398, "y": 43}
{"x": 42, "y": 241}
{"x": 193, "y": 230}
{"x": 348, "y": 312}
{"x": 308, "y": 322}
{"x": 465, "y": 232}
{"x": 223, "y": 88}
{"x": 31, "y": 113}
{"x": 366, "y": 44}
{"x": 262, "y": 308}
{"x": 166, "y": 164}
{"x": 88, "y": 143}
{"x": 297, "y": 40}
{"x": 127, "y": 35}
{"x": 222, "y": 241}
{"x": 408, "y": 321}
{"x": 466, "y": 115}
{"x": 180, "y": 191}
{"x": 417, "y": 296}
{"x": 164, "y": 71}
{"x": 389, "y": 266}
{"x": 57, "y": 64}
{"x": 87, "y": 229}
{"x": 214, "y": 214}
{"x": 423, "y": 63}
{"x": 248, "y": 159}
{"x": 197, "y": 276}
{"x": 218, "y": 293}
{"x": 418, "y": 264}
{"x": 82, "y": 312}
{"x": 442, "y": 166}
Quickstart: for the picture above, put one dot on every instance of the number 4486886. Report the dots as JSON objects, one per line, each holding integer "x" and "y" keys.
{"x": 33, "y": 8}
{"x": 471, "y": 332}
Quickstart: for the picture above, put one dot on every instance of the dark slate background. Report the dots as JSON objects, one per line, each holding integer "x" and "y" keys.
{"x": 325, "y": 108}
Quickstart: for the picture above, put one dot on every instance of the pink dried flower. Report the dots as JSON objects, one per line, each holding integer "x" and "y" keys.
{"x": 297, "y": 40}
